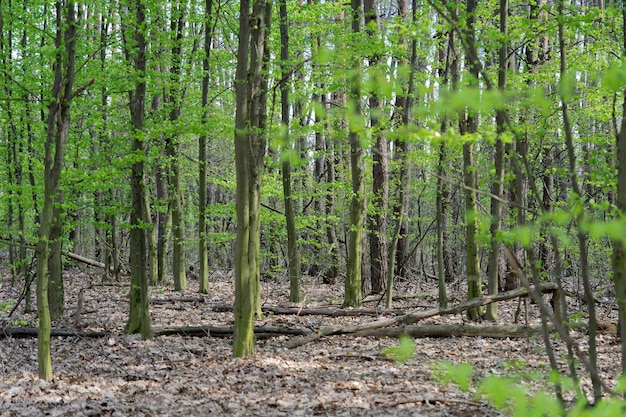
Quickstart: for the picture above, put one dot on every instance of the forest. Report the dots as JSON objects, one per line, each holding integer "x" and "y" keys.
{"x": 343, "y": 208}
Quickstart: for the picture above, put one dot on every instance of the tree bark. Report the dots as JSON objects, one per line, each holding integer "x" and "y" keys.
{"x": 203, "y": 255}
{"x": 139, "y": 314}
{"x": 415, "y": 317}
{"x": 469, "y": 126}
{"x": 619, "y": 246}
{"x": 352, "y": 288}
{"x": 56, "y": 139}
{"x": 293, "y": 256}
{"x": 250, "y": 141}
{"x": 497, "y": 187}
{"x": 380, "y": 168}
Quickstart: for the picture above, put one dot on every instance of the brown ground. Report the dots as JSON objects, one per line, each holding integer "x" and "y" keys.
{"x": 122, "y": 375}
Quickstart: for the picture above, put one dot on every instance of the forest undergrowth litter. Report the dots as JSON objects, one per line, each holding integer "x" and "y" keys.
{"x": 120, "y": 375}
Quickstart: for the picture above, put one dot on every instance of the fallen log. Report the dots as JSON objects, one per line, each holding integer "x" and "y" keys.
{"x": 84, "y": 260}
{"x": 32, "y": 332}
{"x": 261, "y": 332}
{"x": 415, "y": 317}
{"x": 453, "y": 330}
{"x": 320, "y": 311}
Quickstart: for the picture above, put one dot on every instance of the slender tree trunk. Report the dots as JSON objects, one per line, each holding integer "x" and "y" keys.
{"x": 293, "y": 257}
{"x": 380, "y": 168}
{"x": 497, "y": 187}
{"x": 352, "y": 297}
{"x": 56, "y": 140}
{"x": 250, "y": 142}
{"x": 582, "y": 235}
{"x": 619, "y": 246}
{"x": 172, "y": 148}
{"x": 404, "y": 105}
{"x": 469, "y": 125}
{"x": 56, "y": 294}
{"x": 203, "y": 255}
{"x": 139, "y": 314}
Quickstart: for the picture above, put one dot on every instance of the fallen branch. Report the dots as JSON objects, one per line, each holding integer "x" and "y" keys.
{"x": 260, "y": 332}
{"x": 415, "y": 317}
{"x": 332, "y": 312}
{"x": 453, "y": 330}
{"x": 32, "y": 332}
{"x": 84, "y": 260}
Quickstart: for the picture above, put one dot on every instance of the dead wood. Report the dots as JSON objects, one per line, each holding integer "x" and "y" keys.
{"x": 378, "y": 297}
{"x": 260, "y": 332}
{"x": 226, "y": 331}
{"x": 453, "y": 330}
{"x": 331, "y": 312}
{"x": 415, "y": 317}
{"x": 32, "y": 332}
{"x": 178, "y": 300}
{"x": 84, "y": 260}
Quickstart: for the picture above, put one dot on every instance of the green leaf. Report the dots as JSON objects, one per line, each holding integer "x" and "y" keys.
{"x": 403, "y": 352}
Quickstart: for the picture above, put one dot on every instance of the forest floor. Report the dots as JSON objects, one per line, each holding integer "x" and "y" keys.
{"x": 122, "y": 375}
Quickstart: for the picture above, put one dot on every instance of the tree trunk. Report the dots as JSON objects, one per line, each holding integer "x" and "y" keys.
{"x": 619, "y": 246}
{"x": 55, "y": 262}
{"x": 250, "y": 141}
{"x": 203, "y": 255}
{"x": 380, "y": 168}
{"x": 497, "y": 187}
{"x": 174, "y": 102}
{"x": 469, "y": 126}
{"x": 56, "y": 140}
{"x": 139, "y": 314}
{"x": 293, "y": 257}
{"x": 352, "y": 297}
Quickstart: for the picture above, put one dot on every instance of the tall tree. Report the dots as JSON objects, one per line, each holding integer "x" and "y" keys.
{"x": 173, "y": 99}
{"x": 619, "y": 245}
{"x": 498, "y": 182}
{"x": 293, "y": 256}
{"x": 203, "y": 251}
{"x": 352, "y": 296}
{"x": 139, "y": 314}
{"x": 250, "y": 143}
{"x": 380, "y": 151}
{"x": 57, "y": 134}
{"x": 469, "y": 126}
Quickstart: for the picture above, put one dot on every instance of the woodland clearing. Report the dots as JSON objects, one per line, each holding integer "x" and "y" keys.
{"x": 122, "y": 375}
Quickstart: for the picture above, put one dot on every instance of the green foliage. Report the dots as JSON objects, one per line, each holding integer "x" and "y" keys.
{"x": 403, "y": 352}
{"x": 6, "y": 306}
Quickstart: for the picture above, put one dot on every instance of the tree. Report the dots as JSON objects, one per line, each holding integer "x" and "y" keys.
{"x": 139, "y": 315}
{"x": 380, "y": 168}
{"x": 469, "y": 126}
{"x": 293, "y": 256}
{"x": 497, "y": 187}
{"x": 250, "y": 141}
{"x": 56, "y": 139}
{"x": 352, "y": 296}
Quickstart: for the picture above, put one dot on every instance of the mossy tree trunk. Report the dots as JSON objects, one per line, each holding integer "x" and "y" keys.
{"x": 293, "y": 257}
{"x": 352, "y": 288}
{"x": 469, "y": 126}
{"x": 250, "y": 143}
{"x": 56, "y": 294}
{"x": 57, "y": 134}
{"x": 140, "y": 222}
